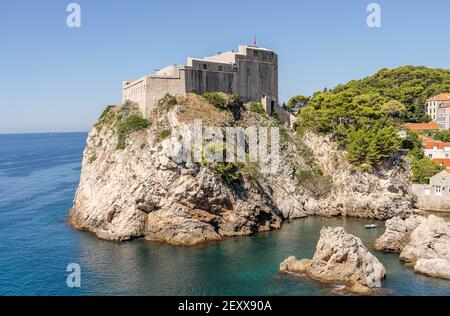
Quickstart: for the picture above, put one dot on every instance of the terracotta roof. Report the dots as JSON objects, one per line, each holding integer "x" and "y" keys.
{"x": 447, "y": 170}
{"x": 440, "y": 97}
{"x": 422, "y": 126}
{"x": 439, "y": 145}
{"x": 442, "y": 161}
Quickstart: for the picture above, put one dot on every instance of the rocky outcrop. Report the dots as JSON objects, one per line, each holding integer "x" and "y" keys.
{"x": 430, "y": 240}
{"x": 381, "y": 194}
{"x": 340, "y": 258}
{"x": 437, "y": 268}
{"x": 139, "y": 190}
{"x": 397, "y": 234}
{"x": 423, "y": 243}
{"x": 291, "y": 264}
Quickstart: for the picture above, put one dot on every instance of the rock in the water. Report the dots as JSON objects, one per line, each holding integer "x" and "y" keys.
{"x": 397, "y": 233}
{"x": 430, "y": 240}
{"x": 291, "y": 264}
{"x": 341, "y": 258}
{"x": 438, "y": 268}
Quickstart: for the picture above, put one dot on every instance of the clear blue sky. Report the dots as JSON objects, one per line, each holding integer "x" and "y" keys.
{"x": 53, "y": 78}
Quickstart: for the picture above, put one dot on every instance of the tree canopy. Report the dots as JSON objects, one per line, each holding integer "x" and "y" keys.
{"x": 365, "y": 115}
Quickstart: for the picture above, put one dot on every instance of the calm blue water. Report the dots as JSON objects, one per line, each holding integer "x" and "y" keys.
{"x": 38, "y": 179}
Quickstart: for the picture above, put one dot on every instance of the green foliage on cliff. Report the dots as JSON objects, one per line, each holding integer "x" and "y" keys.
{"x": 165, "y": 134}
{"x": 423, "y": 169}
{"x": 131, "y": 123}
{"x": 413, "y": 145}
{"x": 315, "y": 182}
{"x": 364, "y": 115}
{"x": 298, "y": 100}
{"x": 229, "y": 172}
{"x": 215, "y": 99}
{"x": 366, "y": 147}
{"x": 442, "y": 135}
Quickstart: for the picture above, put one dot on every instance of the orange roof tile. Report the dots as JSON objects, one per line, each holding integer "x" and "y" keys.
{"x": 422, "y": 126}
{"x": 445, "y": 162}
{"x": 447, "y": 170}
{"x": 438, "y": 144}
{"x": 440, "y": 97}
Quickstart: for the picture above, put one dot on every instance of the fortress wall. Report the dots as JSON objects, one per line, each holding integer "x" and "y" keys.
{"x": 200, "y": 81}
{"x": 158, "y": 87}
{"x": 256, "y": 79}
{"x": 252, "y": 73}
{"x": 135, "y": 91}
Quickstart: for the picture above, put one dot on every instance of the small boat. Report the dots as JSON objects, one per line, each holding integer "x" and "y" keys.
{"x": 370, "y": 226}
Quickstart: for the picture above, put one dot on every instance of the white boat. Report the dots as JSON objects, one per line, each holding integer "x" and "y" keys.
{"x": 370, "y": 226}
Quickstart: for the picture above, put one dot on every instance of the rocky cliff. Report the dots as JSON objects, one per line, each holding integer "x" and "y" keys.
{"x": 131, "y": 187}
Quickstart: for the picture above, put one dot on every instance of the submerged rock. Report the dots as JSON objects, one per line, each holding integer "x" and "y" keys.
{"x": 397, "y": 233}
{"x": 340, "y": 258}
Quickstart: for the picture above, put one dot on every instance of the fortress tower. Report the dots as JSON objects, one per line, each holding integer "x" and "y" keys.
{"x": 252, "y": 73}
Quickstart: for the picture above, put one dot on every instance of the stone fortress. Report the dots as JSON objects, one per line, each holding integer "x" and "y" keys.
{"x": 251, "y": 73}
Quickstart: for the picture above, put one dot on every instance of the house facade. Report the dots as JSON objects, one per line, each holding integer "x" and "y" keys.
{"x": 436, "y": 149}
{"x": 434, "y": 196}
{"x": 252, "y": 73}
{"x": 438, "y": 107}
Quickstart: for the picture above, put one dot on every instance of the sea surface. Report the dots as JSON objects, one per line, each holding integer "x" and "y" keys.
{"x": 38, "y": 178}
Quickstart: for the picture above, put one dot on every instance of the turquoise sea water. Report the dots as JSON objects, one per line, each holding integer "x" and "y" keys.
{"x": 38, "y": 179}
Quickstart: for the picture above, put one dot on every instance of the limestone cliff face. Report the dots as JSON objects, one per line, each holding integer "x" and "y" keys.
{"x": 381, "y": 194}
{"x": 138, "y": 190}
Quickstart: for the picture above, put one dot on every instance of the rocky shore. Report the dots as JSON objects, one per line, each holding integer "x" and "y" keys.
{"x": 423, "y": 243}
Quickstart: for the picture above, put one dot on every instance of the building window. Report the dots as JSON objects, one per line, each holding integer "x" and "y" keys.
{"x": 205, "y": 66}
{"x": 255, "y": 53}
{"x": 430, "y": 155}
{"x": 248, "y": 72}
{"x": 220, "y": 68}
{"x": 438, "y": 190}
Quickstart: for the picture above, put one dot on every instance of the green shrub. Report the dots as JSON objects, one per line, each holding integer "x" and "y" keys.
{"x": 92, "y": 159}
{"x": 257, "y": 107}
{"x": 227, "y": 171}
{"x": 165, "y": 134}
{"x": 132, "y": 123}
{"x": 413, "y": 145}
{"x": 215, "y": 99}
{"x": 108, "y": 117}
{"x": 315, "y": 182}
{"x": 423, "y": 169}
{"x": 250, "y": 171}
{"x": 443, "y": 136}
{"x": 167, "y": 101}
